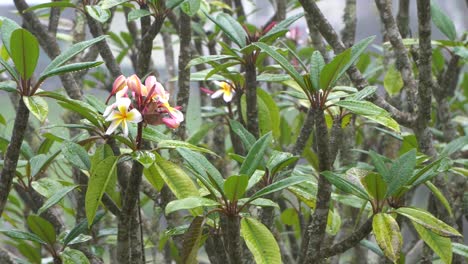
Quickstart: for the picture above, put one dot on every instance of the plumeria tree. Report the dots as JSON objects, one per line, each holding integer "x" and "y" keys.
{"x": 260, "y": 142}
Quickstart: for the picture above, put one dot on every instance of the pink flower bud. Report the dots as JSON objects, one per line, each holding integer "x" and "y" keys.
{"x": 134, "y": 83}
{"x": 171, "y": 122}
{"x": 119, "y": 84}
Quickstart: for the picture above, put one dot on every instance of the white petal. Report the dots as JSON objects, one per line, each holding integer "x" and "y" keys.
{"x": 109, "y": 110}
{"x": 113, "y": 126}
{"x": 125, "y": 128}
{"x": 228, "y": 96}
{"x": 134, "y": 116}
{"x": 217, "y": 94}
{"x": 114, "y": 116}
{"x": 123, "y": 103}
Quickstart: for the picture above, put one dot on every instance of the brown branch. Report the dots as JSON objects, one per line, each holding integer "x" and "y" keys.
{"x": 403, "y": 18}
{"x": 401, "y": 53}
{"x": 106, "y": 53}
{"x": 12, "y": 153}
{"x": 425, "y": 78}
{"x": 185, "y": 36}
{"x": 318, "y": 223}
{"x": 304, "y": 135}
{"x": 6, "y": 257}
{"x": 349, "y": 242}
{"x": 350, "y": 20}
{"x": 54, "y": 19}
{"x": 146, "y": 47}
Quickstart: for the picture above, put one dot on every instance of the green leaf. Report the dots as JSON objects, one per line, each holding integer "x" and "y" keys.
{"x": 401, "y": 172}
{"x": 70, "y": 53}
{"x": 356, "y": 51}
{"x": 344, "y": 185}
{"x": 76, "y": 155}
{"x": 8, "y": 86}
{"x": 460, "y": 249}
{"x": 73, "y": 256}
{"x": 279, "y": 185}
{"x": 176, "y": 179}
{"x": 235, "y": 187}
{"x": 280, "y": 160}
{"x": 137, "y": 14}
{"x": 145, "y": 157}
{"x": 190, "y": 7}
{"x": 8, "y": 26}
{"x": 332, "y": 71}
{"x": 248, "y": 140}
{"x": 285, "y": 64}
{"x": 208, "y": 58}
{"x": 100, "y": 176}
{"x": 49, "y": 5}
{"x": 152, "y": 175}
{"x": 388, "y": 236}
{"x": 17, "y": 234}
{"x": 98, "y": 13}
{"x": 370, "y": 111}
{"x": 428, "y": 221}
{"x": 230, "y": 27}
{"x": 316, "y": 66}
{"x": 375, "y": 186}
{"x": 55, "y": 198}
{"x": 10, "y": 69}
{"x": 191, "y": 241}
{"x": 80, "y": 228}
{"x": 42, "y": 228}
{"x": 24, "y": 52}
{"x": 73, "y": 67}
{"x": 189, "y": 203}
{"x": 260, "y": 241}
{"x": 442, "y": 246}
{"x": 280, "y": 29}
{"x": 255, "y": 156}
{"x": 455, "y": 146}
{"x": 37, "y": 106}
{"x": 262, "y": 202}
{"x": 393, "y": 81}
{"x": 174, "y": 144}
{"x": 107, "y": 4}
{"x": 268, "y": 114}
{"x": 152, "y": 134}
{"x": 443, "y": 22}
{"x": 364, "y": 93}
{"x": 379, "y": 164}
{"x": 209, "y": 175}
{"x": 440, "y": 196}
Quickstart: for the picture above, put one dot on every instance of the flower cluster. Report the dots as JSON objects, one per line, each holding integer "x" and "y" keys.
{"x": 135, "y": 103}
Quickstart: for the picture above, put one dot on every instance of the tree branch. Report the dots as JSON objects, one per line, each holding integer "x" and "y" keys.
{"x": 401, "y": 53}
{"x": 350, "y": 20}
{"x": 403, "y": 18}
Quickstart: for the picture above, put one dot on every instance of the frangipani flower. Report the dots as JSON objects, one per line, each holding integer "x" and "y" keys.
{"x": 227, "y": 91}
{"x": 134, "y": 83}
{"x": 122, "y": 116}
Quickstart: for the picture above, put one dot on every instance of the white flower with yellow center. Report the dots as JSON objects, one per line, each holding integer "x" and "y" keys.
{"x": 122, "y": 116}
{"x": 227, "y": 91}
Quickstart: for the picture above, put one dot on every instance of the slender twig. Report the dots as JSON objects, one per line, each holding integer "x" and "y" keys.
{"x": 350, "y": 20}
{"x": 401, "y": 53}
{"x": 54, "y": 19}
{"x": 403, "y": 18}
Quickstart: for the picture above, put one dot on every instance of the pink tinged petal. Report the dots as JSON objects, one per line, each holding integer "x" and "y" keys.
{"x": 228, "y": 96}
{"x": 217, "y": 94}
{"x": 134, "y": 83}
{"x": 170, "y": 122}
{"x": 125, "y": 127}
{"x": 113, "y": 126}
{"x": 119, "y": 84}
{"x": 207, "y": 91}
{"x": 122, "y": 93}
{"x": 150, "y": 81}
{"x": 134, "y": 116}
{"x": 176, "y": 114}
